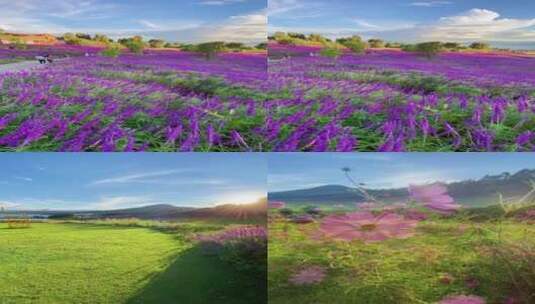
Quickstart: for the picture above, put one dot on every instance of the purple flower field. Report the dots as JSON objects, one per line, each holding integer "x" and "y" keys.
{"x": 389, "y": 100}
{"x": 158, "y": 101}
{"x": 383, "y": 100}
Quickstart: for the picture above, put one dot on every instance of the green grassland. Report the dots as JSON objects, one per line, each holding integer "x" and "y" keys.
{"x": 436, "y": 262}
{"x": 116, "y": 262}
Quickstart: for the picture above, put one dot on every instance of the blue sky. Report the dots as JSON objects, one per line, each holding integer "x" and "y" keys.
{"x": 183, "y": 20}
{"x": 504, "y": 23}
{"x": 290, "y": 171}
{"x": 112, "y": 181}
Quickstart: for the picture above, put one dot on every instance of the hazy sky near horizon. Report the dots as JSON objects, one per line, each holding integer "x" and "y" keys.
{"x": 183, "y": 21}
{"x": 106, "y": 181}
{"x": 290, "y": 171}
{"x": 502, "y": 22}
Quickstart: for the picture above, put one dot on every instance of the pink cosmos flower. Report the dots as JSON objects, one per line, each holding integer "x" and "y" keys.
{"x": 395, "y": 206}
{"x": 276, "y": 205}
{"x": 368, "y": 206}
{"x": 303, "y": 219}
{"x": 463, "y": 300}
{"x": 434, "y": 197}
{"x": 307, "y": 276}
{"x": 528, "y": 215}
{"x": 367, "y": 227}
{"x": 415, "y": 214}
{"x": 471, "y": 282}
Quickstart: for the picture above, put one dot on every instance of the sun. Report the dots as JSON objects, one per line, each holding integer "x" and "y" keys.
{"x": 241, "y": 197}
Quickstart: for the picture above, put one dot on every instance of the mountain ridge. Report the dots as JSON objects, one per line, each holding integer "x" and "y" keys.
{"x": 470, "y": 192}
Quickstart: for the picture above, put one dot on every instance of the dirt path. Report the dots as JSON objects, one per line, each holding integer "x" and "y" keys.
{"x": 19, "y": 66}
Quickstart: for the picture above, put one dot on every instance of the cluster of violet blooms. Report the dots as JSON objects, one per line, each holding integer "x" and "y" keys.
{"x": 80, "y": 105}
{"x": 233, "y": 235}
{"x": 95, "y": 103}
{"x": 391, "y": 117}
{"x": 56, "y": 51}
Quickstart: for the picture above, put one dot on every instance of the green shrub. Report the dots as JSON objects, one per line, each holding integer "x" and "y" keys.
{"x": 157, "y": 43}
{"x": 112, "y": 50}
{"x": 452, "y": 45}
{"x": 355, "y": 44}
{"x": 376, "y": 43}
{"x": 210, "y": 49}
{"x": 261, "y": 46}
{"x": 136, "y": 45}
{"x": 480, "y": 46}
{"x": 19, "y": 44}
{"x": 330, "y": 52}
{"x": 72, "y": 39}
{"x": 429, "y": 49}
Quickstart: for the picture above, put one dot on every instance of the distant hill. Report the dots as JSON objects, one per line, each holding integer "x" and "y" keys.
{"x": 254, "y": 211}
{"x": 473, "y": 193}
{"x": 239, "y": 212}
{"x": 28, "y": 38}
{"x": 162, "y": 211}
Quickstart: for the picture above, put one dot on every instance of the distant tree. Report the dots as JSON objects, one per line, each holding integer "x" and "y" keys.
{"x": 408, "y": 47}
{"x": 376, "y": 43}
{"x": 317, "y": 38}
{"x": 157, "y": 43}
{"x": 393, "y": 45}
{"x": 261, "y": 46}
{"x": 330, "y": 51}
{"x": 354, "y": 43}
{"x": 188, "y": 48}
{"x": 235, "y": 45}
{"x": 102, "y": 39}
{"x": 429, "y": 49}
{"x": 83, "y": 36}
{"x": 282, "y": 38}
{"x": 297, "y": 36}
{"x": 112, "y": 50}
{"x": 279, "y": 35}
{"x": 452, "y": 45}
{"x": 210, "y": 49}
{"x": 172, "y": 45}
{"x": 19, "y": 44}
{"x": 480, "y": 46}
{"x": 135, "y": 44}
{"x": 72, "y": 39}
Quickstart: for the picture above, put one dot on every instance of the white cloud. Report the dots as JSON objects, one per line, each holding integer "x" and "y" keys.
{"x": 149, "y": 24}
{"x": 477, "y": 24}
{"x": 365, "y": 24}
{"x": 472, "y": 25}
{"x": 404, "y": 179}
{"x": 430, "y": 3}
{"x": 165, "y": 178}
{"x": 8, "y": 205}
{"x": 220, "y": 2}
{"x": 295, "y": 9}
{"x": 31, "y": 16}
{"x": 137, "y": 178}
{"x": 23, "y": 178}
{"x": 242, "y": 28}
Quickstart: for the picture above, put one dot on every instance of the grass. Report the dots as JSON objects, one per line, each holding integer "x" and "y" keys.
{"x": 61, "y": 262}
{"x": 425, "y": 268}
{"x": 12, "y": 60}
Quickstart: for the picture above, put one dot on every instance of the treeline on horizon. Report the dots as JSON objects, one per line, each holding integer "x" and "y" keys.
{"x": 355, "y": 43}
{"x": 136, "y": 44}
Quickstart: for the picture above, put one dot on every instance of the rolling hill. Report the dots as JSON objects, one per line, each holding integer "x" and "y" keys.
{"x": 471, "y": 193}
{"x": 254, "y": 211}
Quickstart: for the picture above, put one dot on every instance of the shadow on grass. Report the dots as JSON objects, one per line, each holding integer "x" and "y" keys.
{"x": 194, "y": 277}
